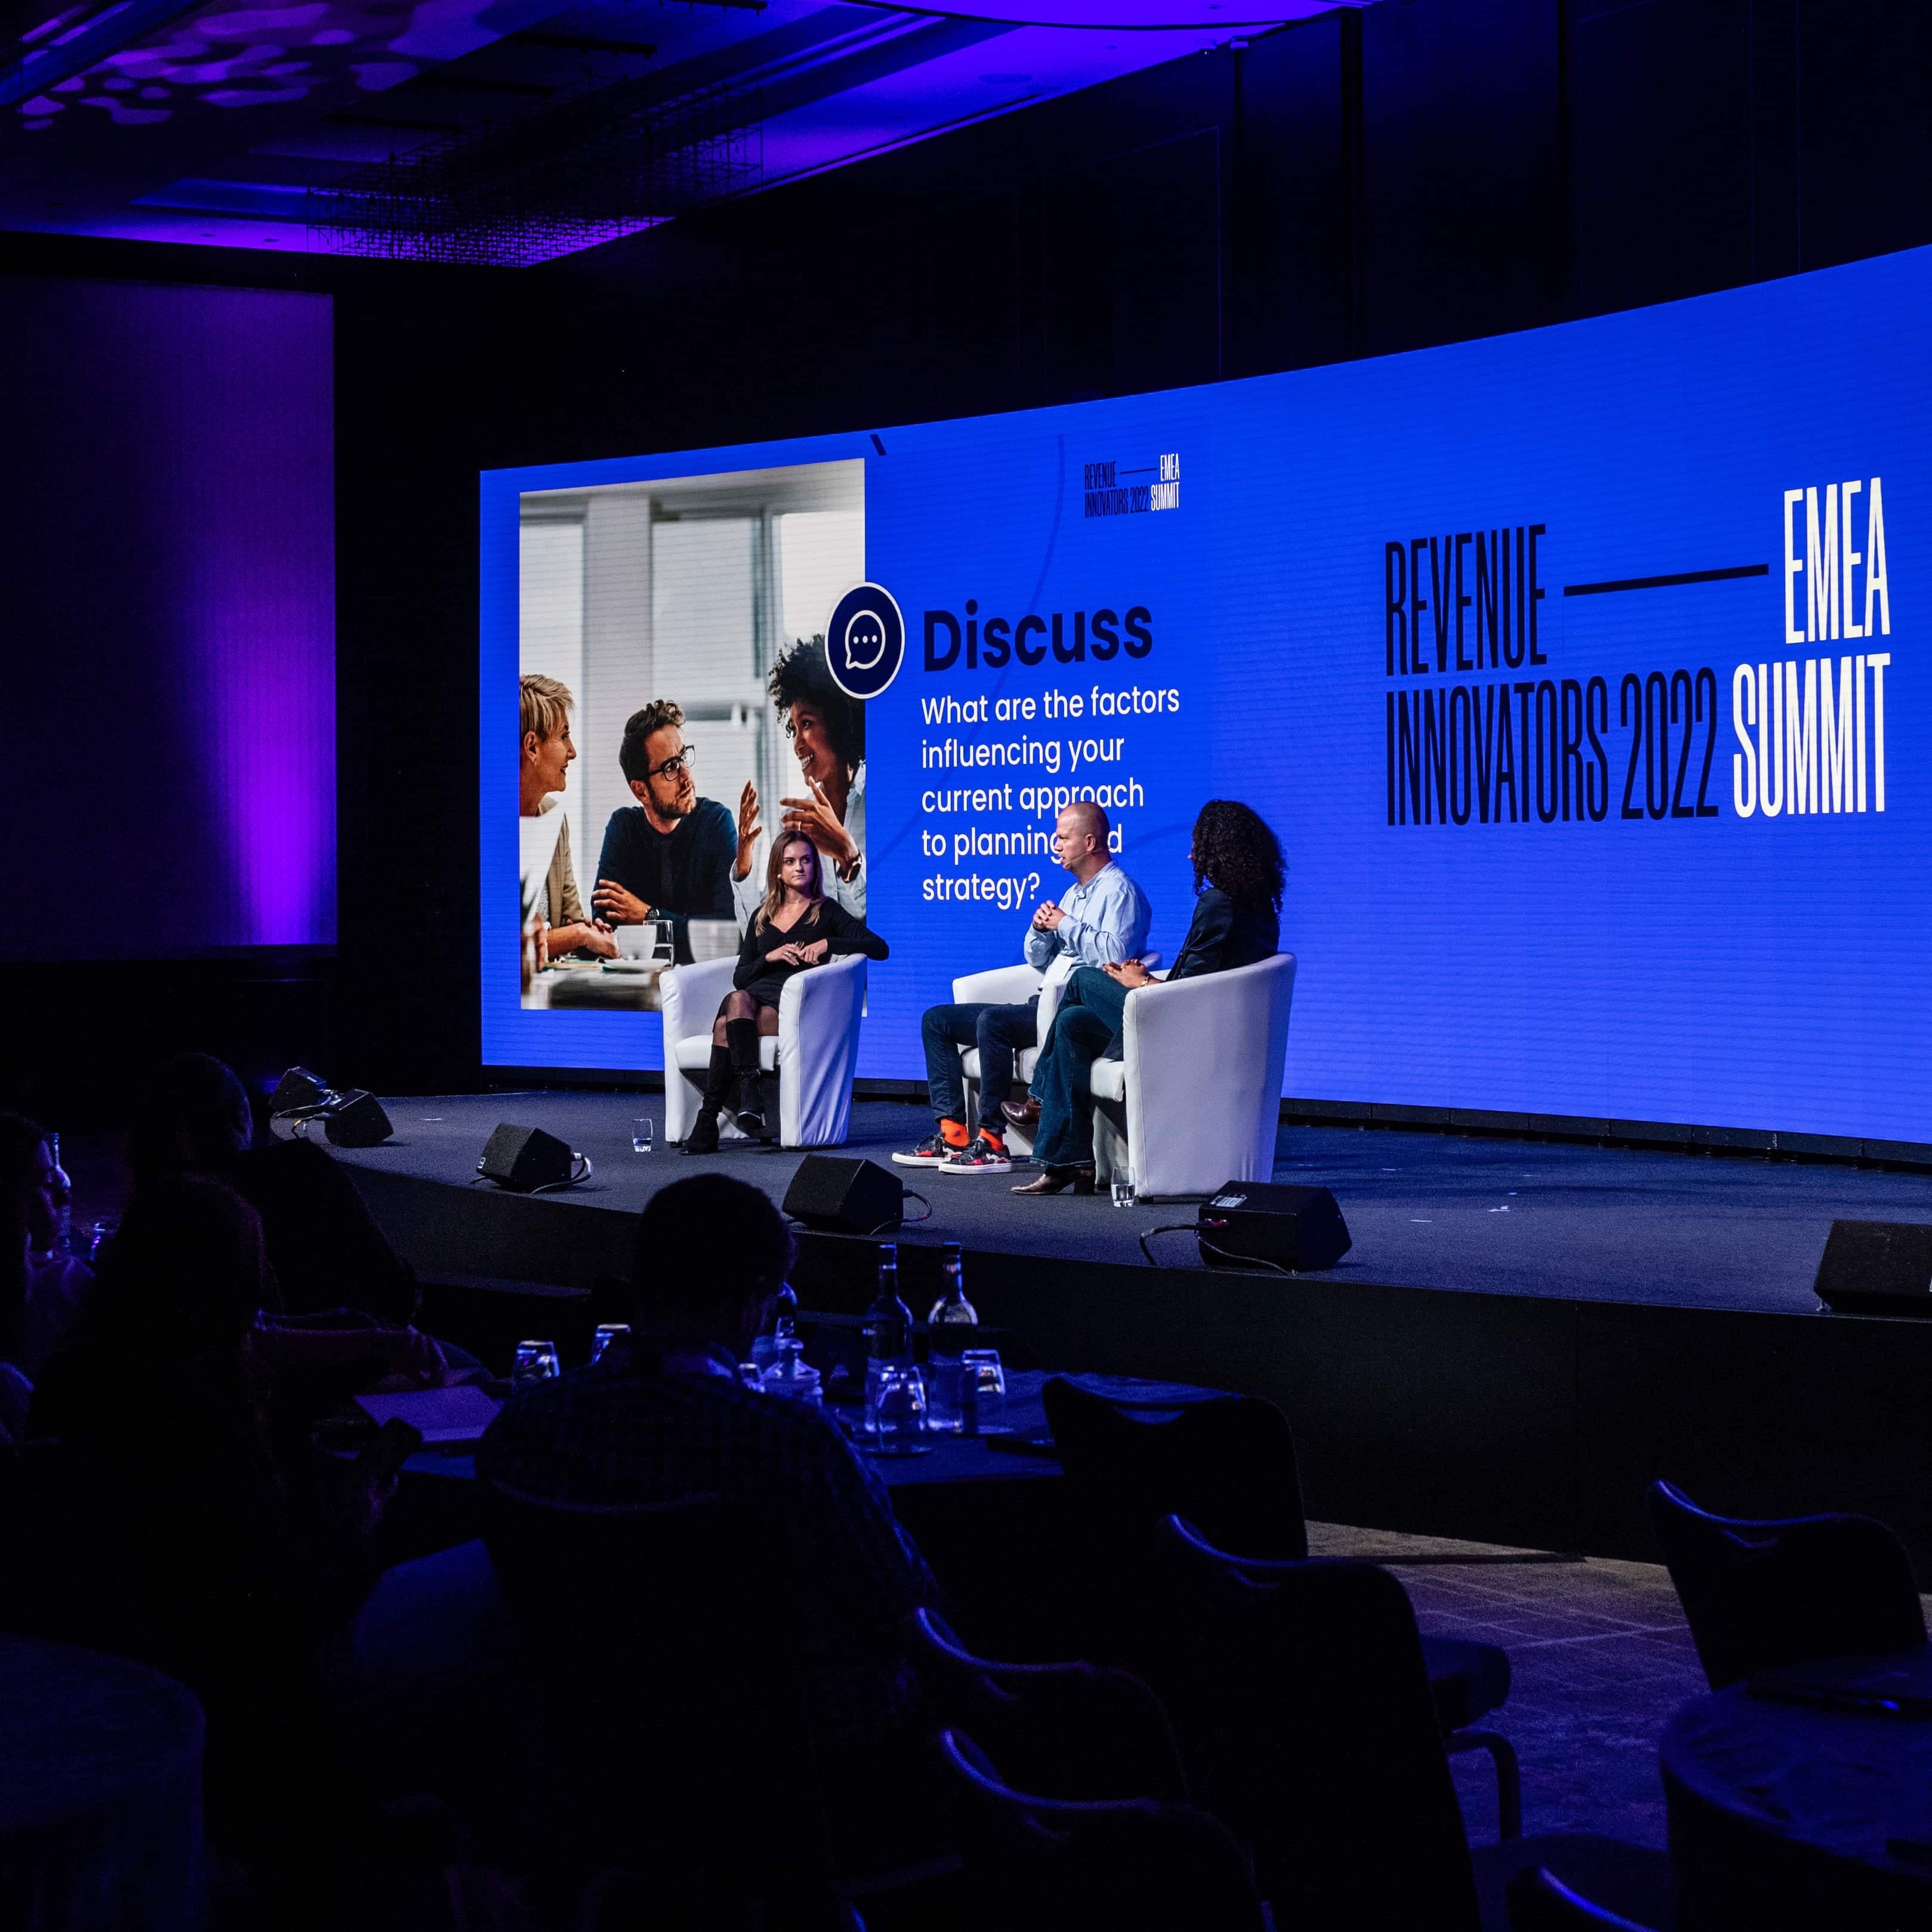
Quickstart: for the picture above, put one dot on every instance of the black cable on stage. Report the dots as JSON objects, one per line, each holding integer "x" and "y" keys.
{"x": 909, "y": 1195}
{"x": 1193, "y": 1228}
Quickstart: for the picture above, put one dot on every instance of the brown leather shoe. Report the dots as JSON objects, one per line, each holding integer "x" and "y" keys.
{"x": 1058, "y": 1180}
{"x": 1022, "y": 1113}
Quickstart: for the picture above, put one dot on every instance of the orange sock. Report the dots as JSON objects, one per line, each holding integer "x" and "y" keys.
{"x": 953, "y": 1133}
{"x": 993, "y": 1140}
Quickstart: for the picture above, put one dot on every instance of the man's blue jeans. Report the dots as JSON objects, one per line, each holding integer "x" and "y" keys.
{"x": 1091, "y": 1011}
{"x": 996, "y": 1031}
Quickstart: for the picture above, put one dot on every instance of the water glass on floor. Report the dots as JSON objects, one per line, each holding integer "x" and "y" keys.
{"x": 982, "y": 1393}
{"x": 536, "y": 1362}
{"x": 642, "y": 1135}
{"x": 1124, "y": 1187}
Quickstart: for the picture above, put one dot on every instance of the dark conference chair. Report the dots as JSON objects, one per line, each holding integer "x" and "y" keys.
{"x": 1308, "y": 1680}
{"x": 1759, "y": 1595}
{"x": 1539, "y": 1901}
{"x": 1035, "y": 1864}
{"x": 1227, "y": 1467}
{"x": 652, "y": 1723}
{"x": 1063, "y": 1730}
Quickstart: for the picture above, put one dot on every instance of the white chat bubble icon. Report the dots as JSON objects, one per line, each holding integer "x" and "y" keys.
{"x": 864, "y": 631}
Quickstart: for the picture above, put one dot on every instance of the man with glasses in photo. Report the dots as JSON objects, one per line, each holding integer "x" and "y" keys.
{"x": 673, "y": 855}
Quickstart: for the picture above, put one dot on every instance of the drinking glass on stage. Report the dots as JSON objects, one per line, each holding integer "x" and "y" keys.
{"x": 536, "y": 1362}
{"x": 642, "y": 1133}
{"x": 1124, "y": 1187}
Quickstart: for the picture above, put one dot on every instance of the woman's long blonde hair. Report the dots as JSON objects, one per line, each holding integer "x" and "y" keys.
{"x": 775, "y": 885}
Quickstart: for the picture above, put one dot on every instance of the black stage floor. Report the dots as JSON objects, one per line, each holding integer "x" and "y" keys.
{"x": 1425, "y": 1210}
{"x": 1522, "y": 1336}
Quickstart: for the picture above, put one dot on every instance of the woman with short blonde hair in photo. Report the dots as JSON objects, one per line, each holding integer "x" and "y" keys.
{"x": 544, "y": 756}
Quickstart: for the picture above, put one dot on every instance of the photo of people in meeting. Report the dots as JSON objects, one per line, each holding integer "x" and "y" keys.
{"x": 676, "y": 713}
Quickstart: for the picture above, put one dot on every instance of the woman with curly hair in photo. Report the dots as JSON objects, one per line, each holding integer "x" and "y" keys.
{"x": 1238, "y": 876}
{"x": 827, "y": 729}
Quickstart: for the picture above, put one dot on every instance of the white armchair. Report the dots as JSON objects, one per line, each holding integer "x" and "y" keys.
{"x": 1195, "y": 1100}
{"x": 813, "y": 1053}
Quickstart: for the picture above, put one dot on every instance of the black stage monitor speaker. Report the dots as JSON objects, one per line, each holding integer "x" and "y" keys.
{"x": 298, "y": 1089}
{"x": 355, "y": 1119}
{"x": 844, "y": 1197}
{"x": 1876, "y": 1268}
{"x": 524, "y": 1158}
{"x": 1248, "y": 1222}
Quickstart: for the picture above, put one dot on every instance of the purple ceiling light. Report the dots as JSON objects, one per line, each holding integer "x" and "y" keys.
{"x": 1142, "y": 16}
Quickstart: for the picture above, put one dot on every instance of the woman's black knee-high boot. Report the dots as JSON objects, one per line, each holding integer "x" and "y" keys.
{"x": 748, "y": 1107}
{"x": 703, "y": 1138}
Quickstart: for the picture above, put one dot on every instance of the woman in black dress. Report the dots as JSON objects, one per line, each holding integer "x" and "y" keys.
{"x": 796, "y": 928}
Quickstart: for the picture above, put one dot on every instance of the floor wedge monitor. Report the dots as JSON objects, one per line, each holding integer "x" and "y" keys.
{"x": 1876, "y": 1268}
{"x": 525, "y": 1159}
{"x": 1254, "y": 1224}
{"x": 836, "y": 1196}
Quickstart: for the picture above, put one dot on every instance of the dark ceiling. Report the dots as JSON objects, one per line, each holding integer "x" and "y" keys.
{"x": 512, "y": 130}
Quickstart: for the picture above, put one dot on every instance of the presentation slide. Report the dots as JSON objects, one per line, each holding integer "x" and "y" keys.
{"x": 1574, "y": 669}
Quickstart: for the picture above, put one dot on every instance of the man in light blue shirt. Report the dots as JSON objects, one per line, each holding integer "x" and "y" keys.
{"x": 1101, "y": 918}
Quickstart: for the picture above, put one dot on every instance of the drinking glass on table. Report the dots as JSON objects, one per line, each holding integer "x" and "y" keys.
{"x": 895, "y": 1409}
{"x": 607, "y": 1332}
{"x": 100, "y": 1235}
{"x": 536, "y": 1362}
{"x": 982, "y": 1393}
{"x": 642, "y": 1133}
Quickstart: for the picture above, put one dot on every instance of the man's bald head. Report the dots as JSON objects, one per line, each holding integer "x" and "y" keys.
{"x": 1080, "y": 838}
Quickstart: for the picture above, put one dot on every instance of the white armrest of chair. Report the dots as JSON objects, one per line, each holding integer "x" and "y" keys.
{"x": 1053, "y": 983}
{"x": 1002, "y": 986}
{"x": 818, "y": 1049}
{"x": 691, "y": 996}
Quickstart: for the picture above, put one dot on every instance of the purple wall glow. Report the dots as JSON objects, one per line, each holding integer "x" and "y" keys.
{"x": 167, "y": 546}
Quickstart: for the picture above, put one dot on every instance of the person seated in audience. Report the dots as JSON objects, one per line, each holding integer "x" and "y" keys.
{"x": 203, "y": 1533}
{"x": 55, "y": 1280}
{"x": 1237, "y": 877}
{"x": 673, "y": 855}
{"x": 15, "y": 1390}
{"x": 344, "y": 1299}
{"x": 668, "y": 1417}
{"x": 827, "y": 728}
{"x": 1101, "y": 919}
{"x": 543, "y": 759}
{"x": 796, "y": 928}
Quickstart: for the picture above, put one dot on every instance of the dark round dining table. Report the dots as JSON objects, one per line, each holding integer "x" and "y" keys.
{"x": 1803, "y": 1798}
{"x": 100, "y": 1826}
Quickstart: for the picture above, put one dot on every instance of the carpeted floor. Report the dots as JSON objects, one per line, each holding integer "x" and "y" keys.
{"x": 1425, "y": 1210}
{"x": 1601, "y": 1657}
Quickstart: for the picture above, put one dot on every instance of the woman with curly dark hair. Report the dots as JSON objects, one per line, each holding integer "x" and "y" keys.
{"x": 827, "y": 729}
{"x": 1237, "y": 879}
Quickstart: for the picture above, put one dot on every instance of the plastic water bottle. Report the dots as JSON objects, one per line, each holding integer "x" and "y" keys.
{"x": 63, "y": 1243}
{"x": 951, "y": 1322}
{"x": 888, "y": 1324}
{"x": 769, "y": 1347}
